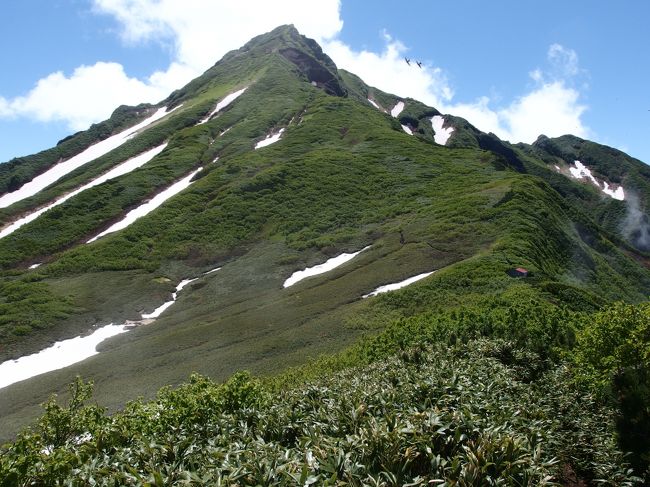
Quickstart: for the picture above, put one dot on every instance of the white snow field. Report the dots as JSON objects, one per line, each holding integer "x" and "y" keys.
{"x": 397, "y": 285}
{"x": 227, "y": 100}
{"x": 59, "y": 170}
{"x": 397, "y": 109}
{"x": 124, "y": 168}
{"x": 406, "y": 129}
{"x": 149, "y": 206}
{"x": 159, "y": 310}
{"x": 326, "y": 266}
{"x": 581, "y": 171}
{"x": 441, "y": 135}
{"x": 58, "y": 356}
{"x": 270, "y": 139}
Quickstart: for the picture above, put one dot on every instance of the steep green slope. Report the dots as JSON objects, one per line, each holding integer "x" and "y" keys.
{"x": 343, "y": 176}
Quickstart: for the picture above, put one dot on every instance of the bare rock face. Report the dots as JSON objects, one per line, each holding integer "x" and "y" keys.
{"x": 314, "y": 71}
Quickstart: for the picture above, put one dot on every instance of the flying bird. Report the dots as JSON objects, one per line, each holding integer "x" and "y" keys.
{"x": 419, "y": 63}
{"x": 408, "y": 61}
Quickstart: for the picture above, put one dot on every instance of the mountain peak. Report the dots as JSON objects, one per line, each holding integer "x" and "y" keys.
{"x": 305, "y": 53}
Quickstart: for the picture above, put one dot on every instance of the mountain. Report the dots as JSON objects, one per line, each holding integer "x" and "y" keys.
{"x": 275, "y": 161}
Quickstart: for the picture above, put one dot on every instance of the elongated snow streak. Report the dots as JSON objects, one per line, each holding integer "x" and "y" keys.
{"x": 124, "y": 168}
{"x": 271, "y": 139}
{"x": 326, "y": 266}
{"x": 406, "y": 129}
{"x": 159, "y": 310}
{"x": 372, "y": 102}
{"x": 581, "y": 171}
{"x": 441, "y": 135}
{"x": 59, "y": 170}
{"x": 60, "y": 355}
{"x": 397, "y": 109}
{"x": 397, "y": 285}
{"x": 149, "y": 206}
{"x": 34, "y": 266}
{"x": 211, "y": 271}
{"x": 228, "y": 99}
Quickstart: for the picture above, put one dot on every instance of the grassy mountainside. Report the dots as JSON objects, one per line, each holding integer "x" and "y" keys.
{"x": 343, "y": 176}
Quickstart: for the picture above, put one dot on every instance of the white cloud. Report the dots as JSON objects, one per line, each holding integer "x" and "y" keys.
{"x": 563, "y": 60}
{"x": 201, "y": 31}
{"x": 552, "y": 107}
{"x": 388, "y": 71}
{"x": 90, "y": 94}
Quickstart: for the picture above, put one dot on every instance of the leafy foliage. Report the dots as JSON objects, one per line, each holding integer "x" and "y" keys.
{"x": 426, "y": 415}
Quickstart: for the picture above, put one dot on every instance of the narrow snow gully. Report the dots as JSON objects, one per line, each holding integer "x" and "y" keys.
{"x": 120, "y": 170}
{"x": 227, "y": 100}
{"x": 159, "y": 310}
{"x": 93, "y": 152}
{"x": 397, "y": 285}
{"x": 326, "y": 266}
{"x": 270, "y": 139}
{"x": 149, "y": 206}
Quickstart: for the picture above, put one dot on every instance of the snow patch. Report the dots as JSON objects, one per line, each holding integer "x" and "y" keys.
{"x": 34, "y": 266}
{"x": 124, "y": 168}
{"x": 326, "y": 266}
{"x": 581, "y": 171}
{"x": 618, "y": 194}
{"x": 397, "y": 285}
{"x": 68, "y": 352}
{"x": 441, "y": 135}
{"x": 406, "y": 129}
{"x": 60, "y": 355}
{"x": 59, "y": 170}
{"x": 397, "y": 109}
{"x": 149, "y": 206}
{"x": 270, "y": 139}
{"x": 372, "y": 102}
{"x": 159, "y": 310}
{"x": 228, "y": 99}
{"x": 211, "y": 271}
{"x": 557, "y": 168}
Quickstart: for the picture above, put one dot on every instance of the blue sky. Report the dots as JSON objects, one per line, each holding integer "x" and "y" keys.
{"x": 512, "y": 67}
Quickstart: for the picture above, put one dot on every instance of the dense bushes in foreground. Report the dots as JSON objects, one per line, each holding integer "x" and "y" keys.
{"x": 434, "y": 415}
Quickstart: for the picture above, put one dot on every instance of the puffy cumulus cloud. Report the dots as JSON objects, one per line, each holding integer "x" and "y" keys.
{"x": 388, "y": 71}
{"x": 552, "y": 107}
{"x": 202, "y": 31}
{"x": 90, "y": 94}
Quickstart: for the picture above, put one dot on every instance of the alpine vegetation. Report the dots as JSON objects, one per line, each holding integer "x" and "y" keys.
{"x": 387, "y": 296}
